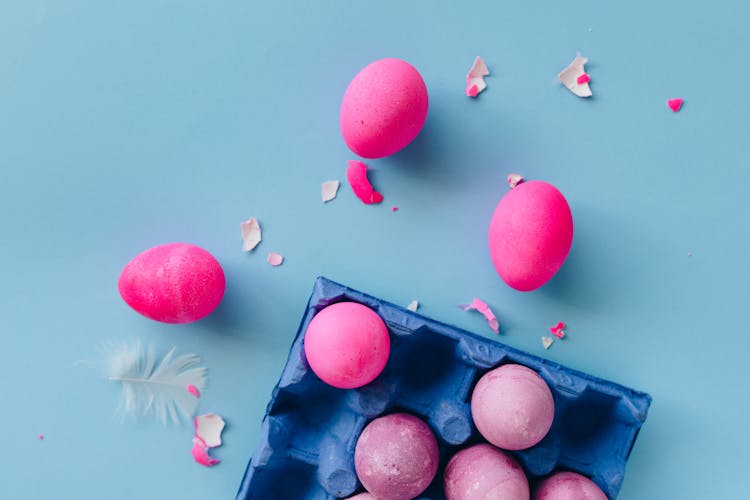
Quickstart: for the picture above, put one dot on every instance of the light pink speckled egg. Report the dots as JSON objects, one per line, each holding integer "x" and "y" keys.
{"x": 396, "y": 457}
{"x": 173, "y": 283}
{"x": 530, "y": 235}
{"x": 568, "y": 486}
{"x": 483, "y": 472}
{"x": 347, "y": 345}
{"x": 512, "y": 407}
{"x": 384, "y": 108}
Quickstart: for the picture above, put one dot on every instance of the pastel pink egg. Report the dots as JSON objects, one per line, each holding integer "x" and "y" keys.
{"x": 384, "y": 108}
{"x": 173, "y": 283}
{"x": 362, "y": 496}
{"x": 396, "y": 457}
{"x": 530, "y": 235}
{"x": 512, "y": 407}
{"x": 484, "y": 472}
{"x": 347, "y": 345}
{"x": 568, "y": 486}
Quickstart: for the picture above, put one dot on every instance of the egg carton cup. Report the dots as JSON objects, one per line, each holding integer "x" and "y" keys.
{"x": 310, "y": 429}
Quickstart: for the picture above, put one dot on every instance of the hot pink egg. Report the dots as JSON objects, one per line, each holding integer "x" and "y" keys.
{"x": 512, "y": 407}
{"x": 530, "y": 235}
{"x": 568, "y": 486}
{"x": 396, "y": 457}
{"x": 347, "y": 345}
{"x": 484, "y": 472}
{"x": 384, "y": 108}
{"x": 174, "y": 283}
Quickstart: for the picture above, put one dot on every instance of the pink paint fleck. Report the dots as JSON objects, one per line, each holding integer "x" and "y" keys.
{"x": 200, "y": 453}
{"x": 394, "y": 209}
{"x": 356, "y": 174}
{"x": 558, "y": 330}
{"x": 472, "y": 90}
{"x": 41, "y": 437}
{"x": 514, "y": 180}
{"x": 482, "y": 307}
{"x": 275, "y": 259}
{"x": 193, "y": 390}
{"x": 675, "y": 104}
{"x": 584, "y": 78}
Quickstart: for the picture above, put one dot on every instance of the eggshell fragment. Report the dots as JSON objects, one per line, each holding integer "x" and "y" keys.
{"x": 201, "y": 455}
{"x": 530, "y": 235}
{"x": 356, "y": 174}
{"x": 173, "y": 283}
{"x": 384, "y": 108}
{"x": 675, "y": 104}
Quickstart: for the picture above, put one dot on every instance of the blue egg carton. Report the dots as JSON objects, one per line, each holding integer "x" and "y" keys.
{"x": 310, "y": 429}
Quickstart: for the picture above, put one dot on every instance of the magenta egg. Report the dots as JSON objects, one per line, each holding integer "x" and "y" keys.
{"x": 484, "y": 472}
{"x": 568, "y": 486}
{"x": 347, "y": 345}
{"x": 384, "y": 108}
{"x": 512, "y": 407}
{"x": 396, "y": 457}
{"x": 530, "y": 235}
{"x": 173, "y": 283}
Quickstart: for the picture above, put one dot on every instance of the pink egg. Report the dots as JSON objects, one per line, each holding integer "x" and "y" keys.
{"x": 396, "y": 457}
{"x": 174, "y": 283}
{"x": 347, "y": 345}
{"x": 384, "y": 108}
{"x": 530, "y": 235}
{"x": 512, "y": 407}
{"x": 362, "y": 496}
{"x": 484, "y": 472}
{"x": 568, "y": 486}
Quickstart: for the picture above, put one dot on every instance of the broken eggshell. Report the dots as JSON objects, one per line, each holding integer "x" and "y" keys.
{"x": 173, "y": 283}
{"x": 384, "y": 108}
{"x": 530, "y": 235}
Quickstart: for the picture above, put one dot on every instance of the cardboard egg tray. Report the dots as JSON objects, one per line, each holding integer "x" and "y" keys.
{"x": 308, "y": 435}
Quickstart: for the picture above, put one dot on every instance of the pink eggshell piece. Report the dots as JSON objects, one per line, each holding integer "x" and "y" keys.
{"x": 384, "y": 108}
{"x": 173, "y": 283}
{"x": 568, "y": 486}
{"x": 512, "y": 407}
{"x": 530, "y": 235}
{"x": 484, "y": 472}
{"x": 347, "y": 345}
{"x": 396, "y": 457}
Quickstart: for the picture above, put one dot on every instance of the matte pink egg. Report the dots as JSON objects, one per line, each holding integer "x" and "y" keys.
{"x": 384, "y": 108}
{"x": 568, "y": 486}
{"x": 512, "y": 407}
{"x": 347, "y": 345}
{"x": 173, "y": 283}
{"x": 484, "y": 472}
{"x": 396, "y": 457}
{"x": 530, "y": 235}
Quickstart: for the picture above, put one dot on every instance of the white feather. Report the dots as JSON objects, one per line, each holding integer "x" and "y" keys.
{"x": 158, "y": 388}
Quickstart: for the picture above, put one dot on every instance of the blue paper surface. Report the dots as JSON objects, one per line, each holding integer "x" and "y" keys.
{"x": 125, "y": 125}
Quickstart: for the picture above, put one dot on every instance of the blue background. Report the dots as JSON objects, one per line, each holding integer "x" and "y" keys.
{"x": 124, "y": 125}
